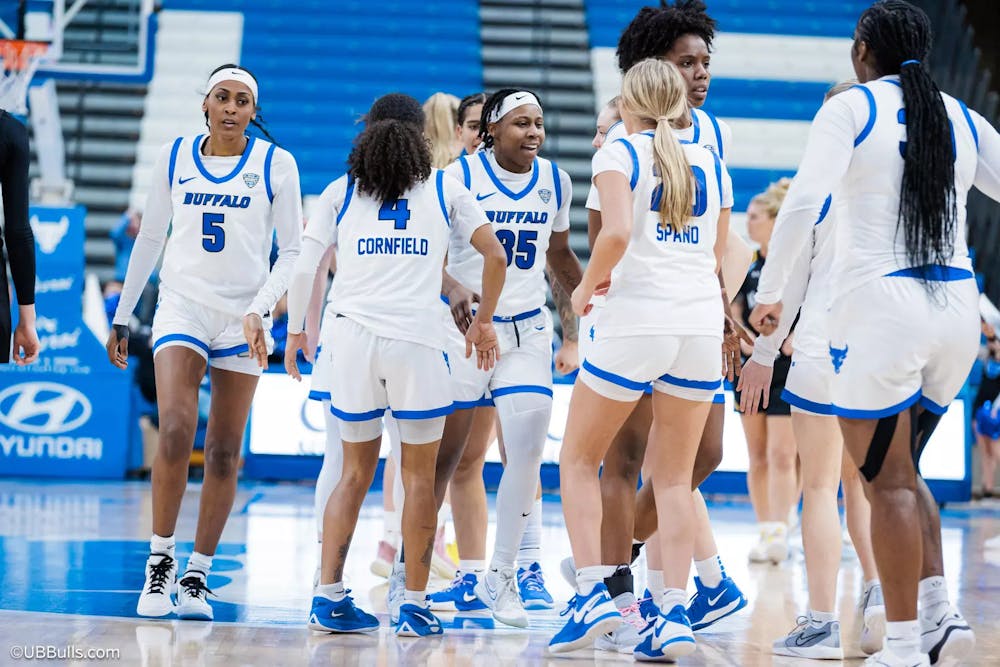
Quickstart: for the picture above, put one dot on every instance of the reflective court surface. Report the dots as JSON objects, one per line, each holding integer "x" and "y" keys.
{"x": 72, "y": 557}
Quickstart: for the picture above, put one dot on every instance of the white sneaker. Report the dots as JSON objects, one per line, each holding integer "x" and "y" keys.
{"x": 498, "y": 589}
{"x": 758, "y": 553}
{"x": 945, "y": 636}
{"x": 397, "y": 591}
{"x": 886, "y": 658}
{"x": 873, "y": 624}
{"x": 192, "y": 594}
{"x": 626, "y": 636}
{"x": 161, "y": 579}
{"x": 776, "y": 544}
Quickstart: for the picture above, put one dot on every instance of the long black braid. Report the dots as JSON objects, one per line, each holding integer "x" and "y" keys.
{"x": 899, "y": 36}
{"x": 257, "y": 122}
{"x": 653, "y": 31}
{"x": 493, "y": 102}
{"x": 392, "y": 154}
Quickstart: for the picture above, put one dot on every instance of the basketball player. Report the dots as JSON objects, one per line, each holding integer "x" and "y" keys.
{"x": 820, "y": 449}
{"x": 393, "y": 217}
{"x": 527, "y": 199}
{"x": 651, "y": 237}
{"x": 904, "y": 157}
{"x": 222, "y": 195}
{"x": 681, "y": 34}
{"x": 467, "y": 131}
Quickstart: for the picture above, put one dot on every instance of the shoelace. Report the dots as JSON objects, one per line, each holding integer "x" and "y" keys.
{"x": 195, "y": 587}
{"x": 801, "y": 623}
{"x": 570, "y": 606}
{"x": 509, "y": 586}
{"x": 531, "y": 580}
{"x": 631, "y": 615}
{"x": 159, "y": 573}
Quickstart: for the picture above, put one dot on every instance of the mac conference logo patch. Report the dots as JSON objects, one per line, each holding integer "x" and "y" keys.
{"x": 251, "y": 179}
{"x": 545, "y": 195}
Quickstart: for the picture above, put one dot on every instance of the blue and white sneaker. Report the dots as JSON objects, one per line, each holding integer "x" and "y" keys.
{"x": 710, "y": 605}
{"x": 590, "y": 616}
{"x": 647, "y": 607}
{"x": 531, "y": 585}
{"x": 417, "y": 621}
{"x": 340, "y": 616}
{"x": 459, "y": 596}
{"x": 671, "y": 639}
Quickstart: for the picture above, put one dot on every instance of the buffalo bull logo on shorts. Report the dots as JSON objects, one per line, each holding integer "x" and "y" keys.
{"x": 545, "y": 195}
{"x": 837, "y": 356}
{"x": 251, "y": 179}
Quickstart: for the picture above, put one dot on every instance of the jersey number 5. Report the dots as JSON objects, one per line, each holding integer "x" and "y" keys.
{"x": 397, "y": 211}
{"x": 521, "y": 248}
{"x": 700, "y": 194}
{"x": 213, "y": 236}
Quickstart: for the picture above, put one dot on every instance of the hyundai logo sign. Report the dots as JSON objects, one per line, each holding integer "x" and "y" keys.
{"x": 43, "y": 407}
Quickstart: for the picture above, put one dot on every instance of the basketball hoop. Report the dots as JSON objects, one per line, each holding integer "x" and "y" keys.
{"x": 20, "y": 59}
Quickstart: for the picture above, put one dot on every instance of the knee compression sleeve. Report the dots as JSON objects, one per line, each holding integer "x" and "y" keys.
{"x": 420, "y": 431}
{"x": 333, "y": 463}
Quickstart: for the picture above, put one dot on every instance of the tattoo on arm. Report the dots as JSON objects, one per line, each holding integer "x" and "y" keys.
{"x": 564, "y": 306}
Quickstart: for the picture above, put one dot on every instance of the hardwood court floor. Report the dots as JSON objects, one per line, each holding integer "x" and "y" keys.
{"x": 71, "y": 559}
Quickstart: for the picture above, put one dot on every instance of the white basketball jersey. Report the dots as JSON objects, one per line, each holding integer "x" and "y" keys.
{"x": 812, "y": 333}
{"x": 523, "y": 219}
{"x": 667, "y": 281}
{"x": 221, "y": 233}
{"x": 389, "y": 259}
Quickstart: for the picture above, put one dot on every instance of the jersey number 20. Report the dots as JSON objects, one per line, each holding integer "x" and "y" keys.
{"x": 700, "y": 194}
{"x": 213, "y": 236}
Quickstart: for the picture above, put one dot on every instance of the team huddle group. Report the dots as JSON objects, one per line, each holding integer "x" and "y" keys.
{"x": 436, "y": 328}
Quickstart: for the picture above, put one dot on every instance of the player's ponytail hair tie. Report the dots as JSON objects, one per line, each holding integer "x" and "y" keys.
{"x": 664, "y": 119}
{"x": 234, "y": 74}
{"x": 909, "y": 62}
{"x": 511, "y": 102}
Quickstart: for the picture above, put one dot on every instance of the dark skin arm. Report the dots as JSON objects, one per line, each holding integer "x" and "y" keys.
{"x": 565, "y": 274}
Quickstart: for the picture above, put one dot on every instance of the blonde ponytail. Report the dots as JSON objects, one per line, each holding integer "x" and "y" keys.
{"x": 440, "y": 119}
{"x": 654, "y": 91}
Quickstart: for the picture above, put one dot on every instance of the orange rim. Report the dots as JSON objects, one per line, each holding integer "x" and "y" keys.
{"x": 17, "y": 54}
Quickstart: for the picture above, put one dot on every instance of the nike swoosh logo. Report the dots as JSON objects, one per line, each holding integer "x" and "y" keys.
{"x": 523, "y": 514}
{"x": 803, "y": 640}
{"x": 518, "y": 98}
{"x": 480, "y": 197}
{"x": 580, "y": 614}
{"x": 541, "y": 328}
{"x": 712, "y": 601}
{"x": 182, "y": 181}
{"x": 429, "y": 620}
{"x": 335, "y": 615}
{"x": 469, "y": 597}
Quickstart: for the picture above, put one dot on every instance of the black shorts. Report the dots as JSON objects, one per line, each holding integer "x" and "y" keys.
{"x": 988, "y": 390}
{"x": 776, "y": 406}
{"x": 5, "y": 327}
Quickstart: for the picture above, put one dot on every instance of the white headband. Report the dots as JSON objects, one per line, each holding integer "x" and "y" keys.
{"x": 234, "y": 74}
{"x": 511, "y": 102}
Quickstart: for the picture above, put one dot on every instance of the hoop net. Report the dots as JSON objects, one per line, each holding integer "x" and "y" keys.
{"x": 21, "y": 59}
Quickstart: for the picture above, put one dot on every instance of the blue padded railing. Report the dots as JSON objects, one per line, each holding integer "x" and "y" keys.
{"x": 817, "y": 18}
{"x": 322, "y": 64}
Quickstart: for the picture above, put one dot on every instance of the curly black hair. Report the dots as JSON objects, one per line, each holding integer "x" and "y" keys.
{"x": 257, "y": 122}
{"x": 392, "y": 154}
{"x": 493, "y": 102}
{"x": 654, "y": 30}
{"x": 899, "y": 36}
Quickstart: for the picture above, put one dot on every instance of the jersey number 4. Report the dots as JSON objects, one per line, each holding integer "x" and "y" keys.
{"x": 213, "y": 236}
{"x": 520, "y": 247}
{"x": 397, "y": 211}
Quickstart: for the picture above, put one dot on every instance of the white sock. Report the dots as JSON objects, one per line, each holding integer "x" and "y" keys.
{"x": 902, "y": 637}
{"x": 391, "y": 528}
{"x": 525, "y": 422}
{"x": 162, "y": 545}
{"x": 820, "y": 618}
{"x": 710, "y": 571}
{"x": 932, "y": 591}
{"x": 199, "y": 563}
{"x": 588, "y": 577}
{"x": 476, "y": 567}
{"x": 654, "y": 583}
{"x": 671, "y": 598}
{"x": 531, "y": 542}
{"x": 418, "y": 598}
{"x": 333, "y": 592}
{"x": 333, "y": 464}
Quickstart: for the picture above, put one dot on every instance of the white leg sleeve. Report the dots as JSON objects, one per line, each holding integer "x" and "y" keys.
{"x": 531, "y": 542}
{"x": 333, "y": 463}
{"x": 396, "y": 452}
{"x": 524, "y": 419}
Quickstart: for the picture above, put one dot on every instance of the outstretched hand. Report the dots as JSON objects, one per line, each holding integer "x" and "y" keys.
{"x": 483, "y": 337}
